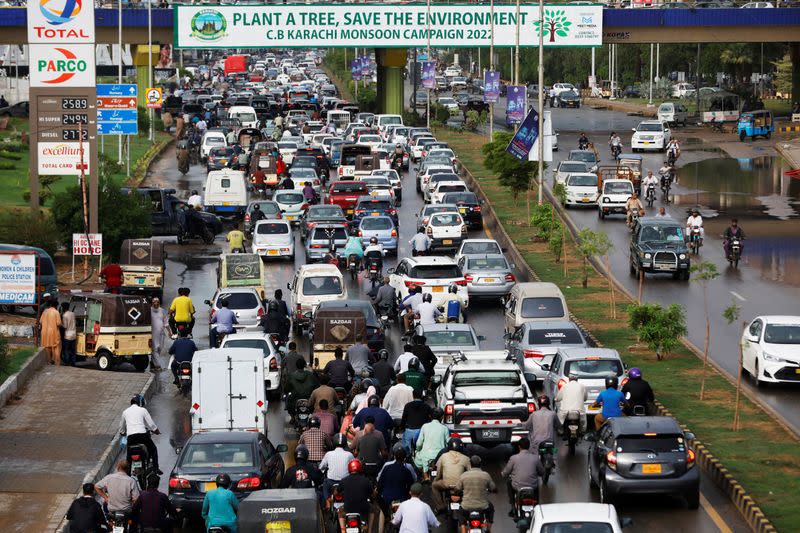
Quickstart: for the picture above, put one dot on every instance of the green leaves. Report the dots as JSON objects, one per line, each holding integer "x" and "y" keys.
{"x": 658, "y": 327}
{"x": 511, "y": 172}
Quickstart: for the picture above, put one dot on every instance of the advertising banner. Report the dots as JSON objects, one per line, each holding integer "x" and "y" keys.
{"x": 491, "y": 86}
{"x": 365, "y": 66}
{"x": 526, "y": 135}
{"x": 60, "y": 21}
{"x": 355, "y": 69}
{"x": 62, "y": 65}
{"x": 154, "y": 97}
{"x": 515, "y": 109}
{"x": 62, "y": 158}
{"x": 81, "y": 245}
{"x": 429, "y": 75}
{"x": 383, "y": 26}
{"x": 17, "y": 279}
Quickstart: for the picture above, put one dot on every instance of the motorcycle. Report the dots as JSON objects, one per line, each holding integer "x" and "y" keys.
{"x": 139, "y": 460}
{"x": 616, "y": 149}
{"x": 185, "y": 378}
{"x": 119, "y": 522}
{"x": 354, "y": 523}
{"x": 583, "y": 144}
{"x": 524, "y": 502}
{"x": 635, "y": 214}
{"x": 477, "y": 523}
{"x": 397, "y": 164}
{"x": 352, "y": 266}
{"x": 387, "y": 313}
{"x": 695, "y": 239}
{"x": 666, "y": 183}
{"x": 277, "y": 340}
{"x": 572, "y": 430}
{"x": 203, "y": 233}
{"x": 336, "y": 504}
{"x": 374, "y": 271}
{"x": 735, "y": 247}
{"x": 302, "y": 412}
{"x": 650, "y": 195}
{"x": 547, "y": 456}
{"x": 671, "y": 157}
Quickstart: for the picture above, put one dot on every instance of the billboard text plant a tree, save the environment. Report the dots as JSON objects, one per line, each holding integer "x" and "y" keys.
{"x": 383, "y": 26}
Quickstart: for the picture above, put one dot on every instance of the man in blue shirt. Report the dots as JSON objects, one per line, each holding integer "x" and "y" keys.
{"x": 394, "y": 481}
{"x": 383, "y": 421}
{"x": 182, "y": 350}
{"x": 224, "y": 318}
{"x": 220, "y": 505}
{"x": 612, "y": 400}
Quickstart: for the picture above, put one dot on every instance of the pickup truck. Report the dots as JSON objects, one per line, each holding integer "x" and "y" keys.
{"x": 167, "y": 214}
{"x": 345, "y": 194}
{"x": 485, "y": 398}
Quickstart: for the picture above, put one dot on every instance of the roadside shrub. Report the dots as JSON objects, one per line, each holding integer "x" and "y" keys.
{"x": 143, "y": 121}
{"x": 555, "y": 242}
{"x": 512, "y": 173}
{"x": 543, "y": 219}
{"x": 560, "y": 192}
{"x": 23, "y": 226}
{"x": 5, "y": 356}
{"x": 658, "y": 327}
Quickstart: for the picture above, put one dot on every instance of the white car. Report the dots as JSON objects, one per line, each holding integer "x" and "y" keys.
{"x": 211, "y": 139}
{"x": 450, "y": 104}
{"x": 445, "y": 231}
{"x": 273, "y": 239}
{"x": 478, "y": 247}
{"x": 452, "y": 71}
{"x": 444, "y": 187}
{"x": 436, "y": 152}
{"x": 291, "y": 203}
{"x": 577, "y": 516}
{"x": 287, "y": 149}
{"x": 373, "y": 141}
{"x": 433, "y": 181}
{"x": 771, "y": 349}
{"x": 567, "y": 168}
{"x": 564, "y": 87}
{"x": 394, "y": 180}
{"x": 673, "y": 113}
{"x": 434, "y": 274}
{"x": 613, "y": 197}
{"x": 272, "y": 356}
{"x": 581, "y": 189}
{"x": 758, "y": 5}
{"x": 416, "y": 147}
{"x": 424, "y": 177}
{"x": 650, "y": 135}
{"x": 682, "y": 90}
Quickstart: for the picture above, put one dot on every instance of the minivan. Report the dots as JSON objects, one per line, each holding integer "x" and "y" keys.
{"x": 382, "y": 121}
{"x": 672, "y": 113}
{"x": 225, "y": 193}
{"x": 246, "y": 115}
{"x": 311, "y": 285}
{"x": 534, "y": 301}
{"x": 47, "y": 279}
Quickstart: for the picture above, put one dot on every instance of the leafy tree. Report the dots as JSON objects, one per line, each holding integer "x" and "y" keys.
{"x": 659, "y": 328}
{"x": 704, "y": 272}
{"x": 590, "y": 244}
{"x": 29, "y": 228}
{"x": 783, "y": 75}
{"x": 556, "y": 240}
{"x": 511, "y": 172}
{"x": 543, "y": 219}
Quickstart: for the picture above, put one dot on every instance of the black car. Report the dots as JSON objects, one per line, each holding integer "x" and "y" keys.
{"x": 322, "y": 159}
{"x": 643, "y": 455}
{"x": 569, "y": 99}
{"x": 307, "y": 161}
{"x": 468, "y": 205}
{"x": 249, "y": 458}
{"x": 219, "y": 158}
{"x": 19, "y": 110}
{"x": 375, "y": 333}
{"x": 373, "y": 206}
{"x": 630, "y": 91}
{"x": 658, "y": 246}
{"x": 320, "y": 214}
{"x": 475, "y": 104}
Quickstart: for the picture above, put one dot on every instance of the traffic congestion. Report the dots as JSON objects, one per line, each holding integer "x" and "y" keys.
{"x": 340, "y": 344}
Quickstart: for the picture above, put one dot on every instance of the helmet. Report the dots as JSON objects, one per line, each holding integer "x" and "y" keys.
{"x": 223, "y": 480}
{"x": 373, "y": 401}
{"x": 273, "y": 305}
{"x": 455, "y": 444}
{"x": 354, "y": 467}
{"x": 383, "y": 354}
{"x": 340, "y": 440}
{"x": 453, "y": 288}
{"x": 611, "y": 383}
{"x": 373, "y": 240}
{"x": 544, "y": 401}
{"x": 314, "y": 422}
{"x": 635, "y": 373}
{"x": 427, "y": 297}
{"x": 301, "y": 453}
{"x": 366, "y": 384}
{"x": 256, "y": 207}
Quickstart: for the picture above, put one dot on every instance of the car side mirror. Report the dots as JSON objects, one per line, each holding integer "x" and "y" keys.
{"x": 178, "y": 450}
{"x": 625, "y": 521}
{"x": 436, "y": 380}
{"x": 688, "y": 435}
{"x": 752, "y": 338}
{"x": 281, "y": 448}
{"x": 289, "y": 286}
{"x": 506, "y": 336}
{"x": 207, "y": 302}
{"x": 481, "y": 338}
{"x": 546, "y": 366}
{"x": 633, "y": 129}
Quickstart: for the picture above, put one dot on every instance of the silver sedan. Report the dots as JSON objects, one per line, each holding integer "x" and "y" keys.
{"x": 488, "y": 276}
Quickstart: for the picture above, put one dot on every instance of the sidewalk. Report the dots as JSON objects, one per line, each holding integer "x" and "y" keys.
{"x": 53, "y": 436}
{"x": 790, "y": 150}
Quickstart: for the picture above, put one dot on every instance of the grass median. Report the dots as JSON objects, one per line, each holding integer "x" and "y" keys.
{"x": 762, "y": 456}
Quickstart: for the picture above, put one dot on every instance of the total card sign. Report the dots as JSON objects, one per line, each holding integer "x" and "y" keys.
{"x": 61, "y": 21}
{"x": 62, "y": 158}
{"x": 17, "y": 279}
{"x": 384, "y": 26}
{"x": 87, "y": 244}
{"x": 62, "y": 65}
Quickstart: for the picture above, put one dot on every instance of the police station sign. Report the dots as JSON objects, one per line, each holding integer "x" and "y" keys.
{"x": 17, "y": 279}
{"x": 384, "y": 26}
{"x": 62, "y": 65}
{"x": 60, "y": 21}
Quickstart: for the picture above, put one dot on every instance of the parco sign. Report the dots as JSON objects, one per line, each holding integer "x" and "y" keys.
{"x": 62, "y": 65}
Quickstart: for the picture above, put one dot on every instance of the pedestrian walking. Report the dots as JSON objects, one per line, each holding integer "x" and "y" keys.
{"x": 50, "y": 324}
{"x": 158, "y": 323}
{"x": 70, "y": 335}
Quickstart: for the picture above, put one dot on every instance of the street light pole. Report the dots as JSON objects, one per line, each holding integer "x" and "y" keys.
{"x": 119, "y": 69}
{"x": 491, "y": 68}
{"x": 428, "y": 99}
{"x": 150, "y": 60}
{"x": 650, "y": 103}
{"x": 541, "y": 99}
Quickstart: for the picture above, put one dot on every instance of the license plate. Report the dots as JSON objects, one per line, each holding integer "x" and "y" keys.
{"x": 272, "y": 252}
{"x": 651, "y": 468}
{"x": 797, "y": 370}
{"x": 593, "y": 409}
{"x": 447, "y": 241}
{"x": 646, "y": 142}
{"x": 353, "y": 530}
{"x": 489, "y": 280}
{"x": 210, "y": 486}
{"x": 455, "y": 506}
{"x": 437, "y": 289}
{"x": 475, "y": 531}
{"x": 226, "y": 203}
{"x": 527, "y": 508}
{"x": 664, "y": 267}
{"x": 585, "y": 200}
{"x": 490, "y": 434}
{"x": 375, "y": 213}
{"x": 462, "y": 210}
{"x": 337, "y": 505}
{"x": 290, "y": 217}
{"x": 349, "y": 211}
{"x": 118, "y": 529}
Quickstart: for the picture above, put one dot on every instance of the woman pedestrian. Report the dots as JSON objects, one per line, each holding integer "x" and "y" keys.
{"x": 50, "y": 324}
{"x": 158, "y": 322}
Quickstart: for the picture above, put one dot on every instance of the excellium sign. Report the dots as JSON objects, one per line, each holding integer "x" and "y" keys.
{"x": 62, "y": 65}
{"x": 58, "y": 21}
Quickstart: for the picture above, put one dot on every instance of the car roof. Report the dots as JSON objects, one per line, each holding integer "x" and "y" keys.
{"x": 780, "y": 319}
{"x": 627, "y": 425}
{"x": 232, "y": 290}
{"x": 448, "y": 327}
{"x": 589, "y": 512}
{"x": 222, "y": 436}
{"x": 471, "y": 257}
{"x": 551, "y": 324}
{"x": 583, "y": 353}
{"x": 322, "y": 268}
{"x": 260, "y": 335}
{"x": 430, "y": 260}
{"x": 658, "y": 221}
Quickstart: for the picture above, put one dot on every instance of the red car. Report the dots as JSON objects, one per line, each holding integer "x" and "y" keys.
{"x": 345, "y": 194}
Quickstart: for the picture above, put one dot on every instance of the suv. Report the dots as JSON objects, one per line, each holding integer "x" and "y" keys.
{"x": 485, "y": 399}
{"x": 613, "y": 197}
{"x": 345, "y": 194}
{"x": 445, "y": 231}
{"x": 643, "y": 455}
{"x": 658, "y": 246}
{"x": 374, "y": 206}
{"x": 650, "y": 134}
{"x": 534, "y": 344}
{"x": 433, "y": 273}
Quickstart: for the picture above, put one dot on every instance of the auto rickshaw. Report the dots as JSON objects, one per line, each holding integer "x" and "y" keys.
{"x": 249, "y": 136}
{"x": 281, "y": 511}
{"x": 365, "y": 164}
{"x": 241, "y": 270}
{"x": 262, "y": 158}
{"x": 332, "y": 328}
{"x": 754, "y": 123}
{"x": 628, "y": 167}
{"x": 112, "y": 328}
{"x": 142, "y": 263}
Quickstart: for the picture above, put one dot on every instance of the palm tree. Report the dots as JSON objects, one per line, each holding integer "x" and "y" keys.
{"x": 737, "y": 56}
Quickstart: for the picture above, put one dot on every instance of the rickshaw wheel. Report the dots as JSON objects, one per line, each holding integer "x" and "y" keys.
{"x": 105, "y": 361}
{"x": 140, "y": 362}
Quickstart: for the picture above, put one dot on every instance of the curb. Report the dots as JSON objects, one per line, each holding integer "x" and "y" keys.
{"x": 795, "y": 163}
{"x": 107, "y": 458}
{"x": 16, "y": 382}
{"x": 789, "y": 129}
{"x": 748, "y": 508}
{"x": 142, "y": 167}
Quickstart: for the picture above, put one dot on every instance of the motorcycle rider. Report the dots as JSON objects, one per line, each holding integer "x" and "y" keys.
{"x": 415, "y": 412}
{"x": 222, "y": 323}
{"x": 615, "y": 143}
{"x": 195, "y": 200}
{"x": 454, "y": 306}
{"x": 358, "y": 354}
{"x": 339, "y": 370}
{"x": 381, "y": 419}
{"x": 137, "y": 424}
{"x": 414, "y": 515}
{"x": 583, "y": 141}
{"x": 85, "y": 514}
{"x": 432, "y": 439}
{"x": 220, "y": 505}
{"x": 428, "y": 312}
{"x": 611, "y": 400}
{"x": 522, "y": 470}
{"x": 475, "y": 485}
{"x": 255, "y": 216}
{"x": 410, "y": 305}
{"x": 280, "y": 166}
{"x": 571, "y": 398}
{"x": 315, "y": 441}
{"x": 259, "y": 181}
{"x": 424, "y": 353}
{"x": 633, "y": 203}
{"x": 181, "y": 311}
{"x": 275, "y": 321}
{"x": 383, "y": 373}
{"x": 334, "y": 464}
{"x": 119, "y": 490}
{"x": 673, "y": 149}
{"x": 354, "y": 247}
{"x": 731, "y": 232}
{"x": 394, "y": 481}
{"x": 385, "y": 298}
{"x": 397, "y": 157}
{"x": 374, "y": 252}
{"x": 420, "y": 243}
{"x": 414, "y": 376}
{"x": 309, "y": 193}
{"x": 153, "y": 512}
{"x": 637, "y": 392}
{"x": 542, "y": 424}
{"x": 300, "y": 384}
{"x": 648, "y": 181}
{"x": 449, "y": 467}
{"x": 667, "y": 174}
{"x": 303, "y": 474}
{"x": 695, "y": 220}
{"x": 357, "y": 491}
{"x": 182, "y": 351}
{"x": 287, "y": 183}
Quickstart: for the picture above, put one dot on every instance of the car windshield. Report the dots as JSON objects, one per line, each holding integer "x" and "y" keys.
{"x": 450, "y": 338}
{"x": 618, "y": 187}
{"x": 572, "y": 166}
{"x": 287, "y": 146}
{"x": 487, "y": 263}
{"x": 581, "y": 155}
{"x": 369, "y": 139}
{"x": 435, "y": 272}
{"x": 446, "y": 101}
{"x": 651, "y": 444}
{"x": 350, "y": 187}
{"x": 452, "y": 188}
{"x": 445, "y": 219}
{"x": 554, "y": 336}
{"x": 576, "y": 527}
{"x": 221, "y": 152}
{"x": 661, "y": 234}
{"x": 289, "y": 198}
{"x": 269, "y": 208}
{"x": 593, "y": 368}
{"x": 261, "y": 344}
{"x": 376, "y": 223}
{"x": 325, "y": 212}
{"x": 542, "y": 307}
{"x": 272, "y": 228}
{"x": 325, "y": 234}
{"x": 322, "y": 285}
{"x": 477, "y": 248}
{"x": 239, "y": 300}
{"x": 648, "y": 127}
{"x": 483, "y": 378}
{"x": 303, "y": 172}
{"x": 218, "y": 455}
{"x": 583, "y": 180}
{"x": 215, "y": 140}
{"x": 782, "y": 334}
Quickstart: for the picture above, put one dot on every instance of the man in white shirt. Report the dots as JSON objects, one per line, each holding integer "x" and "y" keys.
{"x": 695, "y": 220}
{"x": 414, "y": 515}
{"x": 572, "y": 397}
{"x": 428, "y": 312}
{"x": 401, "y": 363}
{"x": 137, "y": 425}
{"x": 201, "y": 126}
{"x": 411, "y": 304}
{"x": 397, "y": 397}
{"x": 662, "y": 213}
{"x": 334, "y": 464}
{"x": 195, "y": 200}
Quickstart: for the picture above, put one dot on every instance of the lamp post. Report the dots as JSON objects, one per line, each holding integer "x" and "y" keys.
{"x": 428, "y": 99}
{"x": 491, "y": 68}
{"x": 119, "y": 69}
{"x": 150, "y": 60}
{"x": 541, "y": 99}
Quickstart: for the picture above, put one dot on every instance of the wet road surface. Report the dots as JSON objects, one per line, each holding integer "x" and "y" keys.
{"x": 195, "y": 266}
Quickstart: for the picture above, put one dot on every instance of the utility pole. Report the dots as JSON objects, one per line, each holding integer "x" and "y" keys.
{"x": 150, "y": 61}
{"x": 119, "y": 69}
{"x": 428, "y": 99}
{"x": 650, "y": 103}
{"x": 541, "y": 99}
{"x": 491, "y": 67}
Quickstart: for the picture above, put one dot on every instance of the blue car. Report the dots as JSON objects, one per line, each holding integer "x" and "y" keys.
{"x": 381, "y": 227}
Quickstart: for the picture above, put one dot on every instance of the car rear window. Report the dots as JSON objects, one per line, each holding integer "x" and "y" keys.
{"x": 449, "y": 338}
{"x": 480, "y": 248}
{"x": 272, "y": 228}
{"x": 270, "y": 208}
{"x": 483, "y": 378}
{"x": 435, "y": 272}
{"x": 219, "y": 455}
{"x": 350, "y": 187}
{"x": 376, "y": 223}
{"x": 452, "y": 188}
{"x": 487, "y": 263}
{"x": 582, "y": 180}
{"x": 594, "y": 368}
{"x": 572, "y": 166}
{"x": 261, "y": 344}
{"x": 326, "y": 211}
{"x": 576, "y": 527}
{"x": 554, "y": 336}
{"x": 438, "y": 176}
{"x": 542, "y": 307}
{"x": 322, "y": 285}
{"x": 291, "y": 198}
{"x": 651, "y": 444}
{"x": 460, "y": 198}
{"x": 221, "y": 152}
{"x": 240, "y": 300}
{"x": 326, "y": 233}
{"x": 375, "y": 205}
{"x": 445, "y": 219}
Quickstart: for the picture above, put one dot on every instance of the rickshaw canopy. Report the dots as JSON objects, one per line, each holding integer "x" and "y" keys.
{"x": 142, "y": 252}
{"x": 116, "y": 310}
{"x": 284, "y": 511}
{"x": 339, "y": 326}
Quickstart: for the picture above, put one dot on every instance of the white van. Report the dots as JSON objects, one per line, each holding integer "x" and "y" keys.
{"x": 228, "y": 390}
{"x": 225, "y": 192}
{"x": 211, "y": 139}
{"x": 340, "y": 118}
{"x": 673, "y": 113}
{"x": 534, "y": 302}
{"x": 311, "y": 285}
{"x": 386, "y": 120}
{"x": 246, "y": 115}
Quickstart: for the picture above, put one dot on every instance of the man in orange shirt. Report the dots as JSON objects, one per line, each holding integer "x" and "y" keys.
{"x": 49, "y": 323}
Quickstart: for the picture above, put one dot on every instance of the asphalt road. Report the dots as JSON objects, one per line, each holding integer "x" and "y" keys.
{"x": 195, "y": 265}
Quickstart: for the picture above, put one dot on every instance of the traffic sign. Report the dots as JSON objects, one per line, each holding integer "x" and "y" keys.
{"x": 117, "y": 89}
{"x": 117, "y": 128}
{"x": 116, "y": 102}
{"x": 153, "y": 97}
{"x": 117, "y": 115}
{"x": 117, "y": 112}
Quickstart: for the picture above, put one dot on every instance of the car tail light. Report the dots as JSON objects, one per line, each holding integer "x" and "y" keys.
{"x": 461, "y": 282}
{"x": 260, "y": 311}
{"x": 135, "y": 457}
{"x": 532, "y": 354}
{"x": 611, "y": 459}
{"x": 528, "y": 501}
{"x": 561, "y": 383}
{"x": 316, "y": 246}
{"x": 310, "y": 224}
{"x": 304, "y": 207}
{"x": 476, "y": 209}
{"x": 392, "y": 211}
{"x": 249, "y": 483}
{"x": 690, "y": 458}
{"x": 360, "y": 211}
{"x": 186, "y": 370}
{"x": 394, "y": 233}
{"x": 341, "y": 171}
{"x": 468, "y": 277}
{"x": 213, "y": 312}
{"x": 179, "y": 483}
{"x": 429, "y": 231}
{"x": 360, "y": 233}
{"x": 510, "y": 278}
{"x": 273, "y": 364}
{"x": 449, "y": 409}
{"x": 410, "y": 284}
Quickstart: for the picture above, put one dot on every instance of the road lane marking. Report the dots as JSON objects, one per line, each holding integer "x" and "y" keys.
{"x": 714, "y": 515}
{"x": 488, "y": 232}
{"x": 739, "y": 296}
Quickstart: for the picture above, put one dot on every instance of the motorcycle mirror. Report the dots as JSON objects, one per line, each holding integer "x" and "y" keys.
{"x": 481, "y": 337}
{"x": 289, "y": 286}
{"x": 207, "y": 302}
{"x": 281, "y": 448}
{"x": 688, "y": 435}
